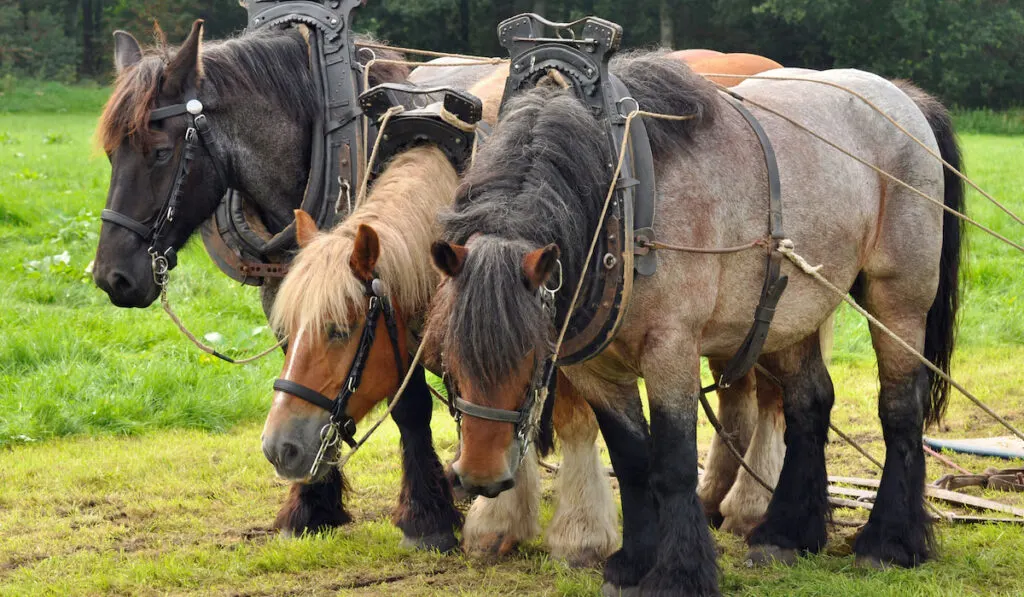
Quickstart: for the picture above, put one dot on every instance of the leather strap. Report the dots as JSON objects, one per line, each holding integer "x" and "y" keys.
{"x": 109, "y": 215}
{"x": 308, "y": 394}
{"x": 774, "y": 283}
{"x": 167, "y": 112}
{"x": 490, "y": 414}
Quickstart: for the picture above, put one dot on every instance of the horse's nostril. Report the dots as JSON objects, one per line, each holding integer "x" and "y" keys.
{"x": 120, "y": 283}
{"x": 268, "y": 452}
{"x": 289, "y": 453}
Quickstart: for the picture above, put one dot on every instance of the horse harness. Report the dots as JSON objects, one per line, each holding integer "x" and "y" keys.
{"x": 628, "y": 239}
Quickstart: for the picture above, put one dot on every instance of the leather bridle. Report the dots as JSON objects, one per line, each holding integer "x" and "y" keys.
{"x": 526, "y": 419}
{"x": 197, "y": 138}
{"x": 342, "y": 425}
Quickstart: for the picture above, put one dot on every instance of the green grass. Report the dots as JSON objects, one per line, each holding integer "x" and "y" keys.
{"x": 28, "y": 96}
{"x": 129, "y": 462}
{"x": 985, "y": 121}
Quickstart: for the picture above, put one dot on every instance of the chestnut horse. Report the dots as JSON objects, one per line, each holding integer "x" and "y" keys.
{"x": 530, "y": 203}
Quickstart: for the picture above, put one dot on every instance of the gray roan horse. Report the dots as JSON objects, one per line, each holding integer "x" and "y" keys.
{"x": 532, "y": 199}
{"x": 259, "y": 96}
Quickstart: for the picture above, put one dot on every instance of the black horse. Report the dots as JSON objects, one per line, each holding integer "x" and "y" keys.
{"x": 257, "y": 92}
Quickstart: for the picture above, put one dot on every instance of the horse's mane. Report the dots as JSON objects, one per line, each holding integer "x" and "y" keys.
{"x": 321, "y": 289}
{"x": 270, "y": 63}
{"x": 542, "y": 178}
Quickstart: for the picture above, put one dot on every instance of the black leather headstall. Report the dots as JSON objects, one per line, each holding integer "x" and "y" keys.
{"x": 441, "y": 116}
{"x": 378, "y": 304}
{"x": 197, "y": 140}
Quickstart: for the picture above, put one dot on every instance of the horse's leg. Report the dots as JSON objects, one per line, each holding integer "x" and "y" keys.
{"x": 584, "y": 530}
{"x": 425, "y": 512}
{"x": 737, "y": 412}
{"x": 621, "y": 419}
{"x": 314, "y": 507}
{"x": 745, "y": 505}
{"x": 898, "y": 530}
{"x": 798, "y": 510}
{"x": 495, "y": 526}
{"x": 685, "y": 561}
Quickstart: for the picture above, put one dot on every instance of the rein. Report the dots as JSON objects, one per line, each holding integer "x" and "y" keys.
{"x": 342, "y": 426}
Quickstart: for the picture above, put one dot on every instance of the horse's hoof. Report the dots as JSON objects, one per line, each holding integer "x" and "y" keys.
{"x": 871, "y": 563}
{"x": 738, "y": 526}
{"x": 610, "y": 590}
{"x": 491, "y": 545}
{"x": 585, "y": 558}
{"x": 442, "y": 542}
{"x": 766, "y": 555}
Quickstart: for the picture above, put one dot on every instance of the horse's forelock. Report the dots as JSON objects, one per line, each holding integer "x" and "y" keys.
{"x": 494, "y": 320}
{"x": 126, "y": 114}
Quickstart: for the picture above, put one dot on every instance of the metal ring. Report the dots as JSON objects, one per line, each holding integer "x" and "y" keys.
{"x": 560, "y": 280}
{"x": 628, "y": 98}
{"x": 373, "y": 55}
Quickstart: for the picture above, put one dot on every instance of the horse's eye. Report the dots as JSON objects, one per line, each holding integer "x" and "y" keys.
{"x": 163, "y": 155}
{"x": 336, "y": 334}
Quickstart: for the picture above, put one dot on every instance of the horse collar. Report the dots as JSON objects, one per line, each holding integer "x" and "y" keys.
{"x": 582, "y": 61}
{"x": 243, "y": 249}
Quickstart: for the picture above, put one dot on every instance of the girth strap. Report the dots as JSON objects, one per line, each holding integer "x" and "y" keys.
{"x": 774, "y": 283}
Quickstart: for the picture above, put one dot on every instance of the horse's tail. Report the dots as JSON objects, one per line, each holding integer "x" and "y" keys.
{"x": 940, "y": 330}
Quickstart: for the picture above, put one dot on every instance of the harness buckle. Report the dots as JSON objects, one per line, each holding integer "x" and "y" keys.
{"x": 161, "y": 267}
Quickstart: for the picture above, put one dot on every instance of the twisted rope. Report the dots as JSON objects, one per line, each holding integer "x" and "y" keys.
{"x": 874, "y": 107}
{"x": 787, "y": 248}
{"x": 166, "y": 304}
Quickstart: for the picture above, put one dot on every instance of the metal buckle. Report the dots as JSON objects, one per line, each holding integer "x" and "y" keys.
{"x": 160, "y": 267}
{"x": 328, "y": 438}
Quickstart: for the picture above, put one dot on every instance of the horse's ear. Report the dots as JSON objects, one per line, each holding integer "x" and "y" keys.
{"x": 365, "y": 252}
{"x": 186, "y": 63}
{"x": 127, "y": 51}
{"x": 539, "y": 265}
{"x": 448, "y": 257}
{"x": 305, "y": 228}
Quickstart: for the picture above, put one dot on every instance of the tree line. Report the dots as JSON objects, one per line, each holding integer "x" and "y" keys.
{"x": 969, "y": 52}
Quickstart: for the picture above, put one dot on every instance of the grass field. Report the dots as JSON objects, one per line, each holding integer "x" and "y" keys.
{"x": 130, "y": 464}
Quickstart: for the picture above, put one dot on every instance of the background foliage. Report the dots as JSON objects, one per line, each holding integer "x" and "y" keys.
{"x": 970, "y": 52}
